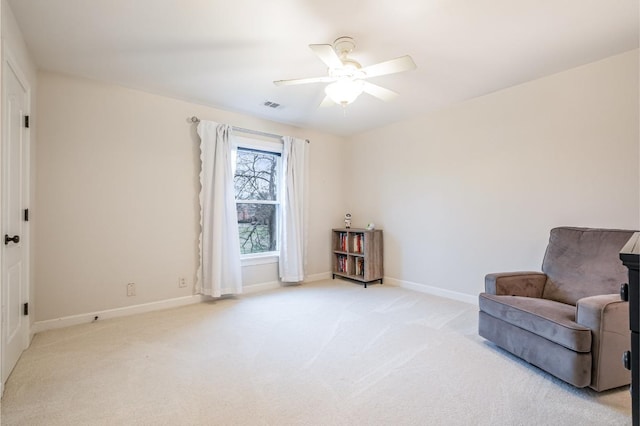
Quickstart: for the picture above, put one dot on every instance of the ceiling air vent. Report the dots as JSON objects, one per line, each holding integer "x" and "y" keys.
{"x": 271, "y": 104}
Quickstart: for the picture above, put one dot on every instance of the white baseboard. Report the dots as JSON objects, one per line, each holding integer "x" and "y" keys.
{"x": 434, "y": 291}
{"x": 271, "y": 285}
{"x": 39, "y": 326}
{"x": 256, "y": 288}
{"x": 422, "y": 288}
{"x": 318, "y": 277}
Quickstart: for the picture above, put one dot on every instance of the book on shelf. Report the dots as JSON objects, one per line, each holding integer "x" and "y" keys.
{"x": 342, "y": 241}
{"x": 342, "y": 264}
{"x": 358, "y": 243}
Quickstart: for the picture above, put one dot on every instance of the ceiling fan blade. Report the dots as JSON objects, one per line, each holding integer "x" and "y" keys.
{"x": 403, "y": 63}
{"x": 326, "y": 102}
{"x": 327, "y": 54}
{"x": 379, "y": 92}
{"x": 304, "y": 81}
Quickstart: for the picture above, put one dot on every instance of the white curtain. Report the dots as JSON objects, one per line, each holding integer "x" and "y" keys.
{"x": 293, "y": 229}
{"x": 220, "y": 271}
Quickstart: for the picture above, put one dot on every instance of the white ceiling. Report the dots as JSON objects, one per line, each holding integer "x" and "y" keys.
{"x": 227, "y": 53}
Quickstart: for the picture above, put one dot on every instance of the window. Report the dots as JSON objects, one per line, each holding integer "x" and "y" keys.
{"x": 257, "y": 189}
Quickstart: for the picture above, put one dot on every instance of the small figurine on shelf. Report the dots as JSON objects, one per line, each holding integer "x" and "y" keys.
{"x": 371, "y": 226}
{"x": 347, "y": 220}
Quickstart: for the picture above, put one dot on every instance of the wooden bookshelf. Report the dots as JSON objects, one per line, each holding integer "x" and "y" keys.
{"x": 357, "y": 254}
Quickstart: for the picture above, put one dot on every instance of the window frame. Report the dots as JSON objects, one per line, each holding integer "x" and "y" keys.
{"x": 241, "y": 142}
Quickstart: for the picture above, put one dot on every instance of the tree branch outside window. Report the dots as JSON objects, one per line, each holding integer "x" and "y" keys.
{"x": 257, "y": 202}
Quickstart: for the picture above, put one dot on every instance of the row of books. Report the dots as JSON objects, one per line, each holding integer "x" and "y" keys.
{"x": 359, "y": 266}
{"x": 357, "y": 242}
{"x": 342, "y": 264}
{"x": 343, "y": 268}
{"x": 342, "y": 241}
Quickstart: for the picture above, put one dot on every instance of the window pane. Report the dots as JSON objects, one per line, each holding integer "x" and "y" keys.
{"x": 256, "y": 175}
{"x": 257, "y": 227}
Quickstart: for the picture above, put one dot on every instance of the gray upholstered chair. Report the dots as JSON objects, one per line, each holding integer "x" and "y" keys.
{"x": 569, "y": 319}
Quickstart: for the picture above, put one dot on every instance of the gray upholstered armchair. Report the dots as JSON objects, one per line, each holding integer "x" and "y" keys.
{"x": 569, "y": 319}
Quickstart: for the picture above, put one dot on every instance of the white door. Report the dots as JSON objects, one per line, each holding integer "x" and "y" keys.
{"x": 15, "y": 166}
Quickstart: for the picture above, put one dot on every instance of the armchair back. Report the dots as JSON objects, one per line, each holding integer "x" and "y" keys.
{"x": 582, "y": 262}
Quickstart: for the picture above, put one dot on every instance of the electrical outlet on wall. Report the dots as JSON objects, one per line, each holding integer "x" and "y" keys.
{"x": 182, "y": 282}
{"x": 131, "y": 289}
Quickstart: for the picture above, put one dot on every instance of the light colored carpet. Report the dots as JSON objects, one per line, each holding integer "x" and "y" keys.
{"x": 327, "y": 353}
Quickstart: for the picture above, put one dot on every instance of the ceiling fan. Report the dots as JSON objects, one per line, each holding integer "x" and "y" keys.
{"x": 347, "y": 77}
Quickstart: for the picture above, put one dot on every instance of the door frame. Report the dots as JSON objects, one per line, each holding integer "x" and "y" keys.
{"x": 9, "y": 61}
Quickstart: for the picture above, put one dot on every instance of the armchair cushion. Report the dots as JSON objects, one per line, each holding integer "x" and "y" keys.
{"x": 552, "y": 320}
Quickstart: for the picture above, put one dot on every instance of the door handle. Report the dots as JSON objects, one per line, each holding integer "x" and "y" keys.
{"x": 8, "y": 239}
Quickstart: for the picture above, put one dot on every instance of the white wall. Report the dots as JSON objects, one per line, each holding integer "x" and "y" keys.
{"x": 459, "y": 193}
{"x": 475, "y": 188}
{"x": 12, "y": 39}
{"x": 117, "y": 193}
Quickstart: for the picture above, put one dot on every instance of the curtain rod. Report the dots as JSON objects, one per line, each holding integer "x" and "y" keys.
{"x": 195, "y": 119}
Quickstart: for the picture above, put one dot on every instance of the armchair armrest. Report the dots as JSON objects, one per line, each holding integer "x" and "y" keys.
{"x": 528, "y": 284}
{"x": 608, "y": 318}
{"x": 604, "y": 313}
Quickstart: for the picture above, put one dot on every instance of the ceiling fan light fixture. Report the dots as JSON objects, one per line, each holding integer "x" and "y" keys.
{"x": 343, "y": 92}
{"x": 347, "y": 78}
